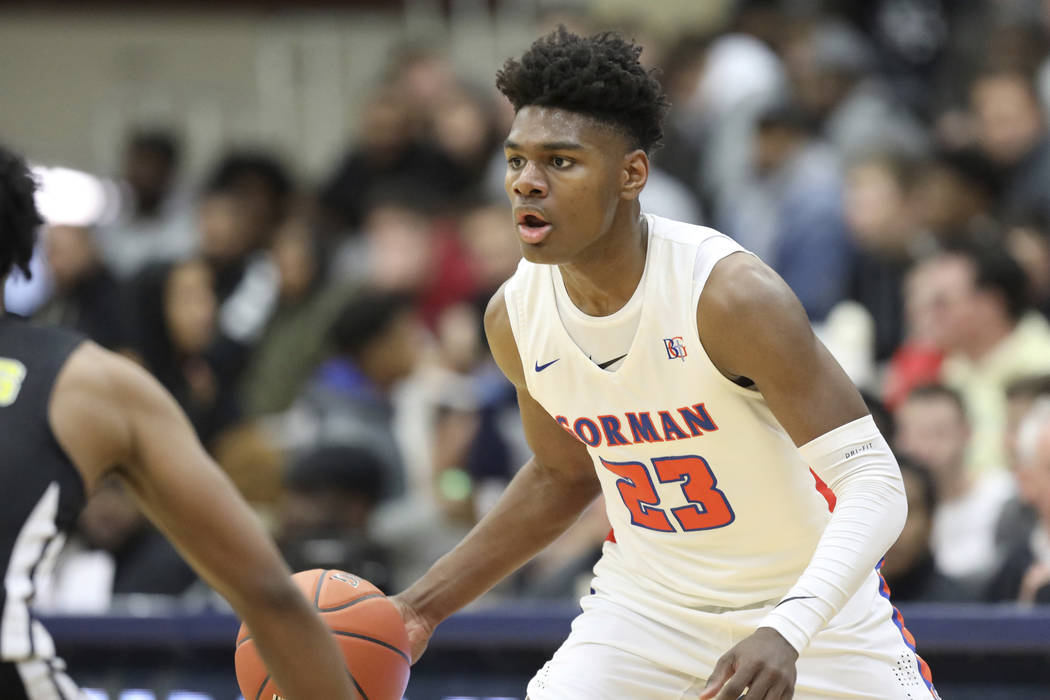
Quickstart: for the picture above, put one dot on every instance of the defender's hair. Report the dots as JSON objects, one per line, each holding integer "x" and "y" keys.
{"x": 597, "y": 76}
{"x": 19, "y": 217}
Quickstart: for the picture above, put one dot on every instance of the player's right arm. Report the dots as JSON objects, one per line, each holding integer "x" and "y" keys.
{"x": 545, "y": 497}
{"x": 109, "y": 414}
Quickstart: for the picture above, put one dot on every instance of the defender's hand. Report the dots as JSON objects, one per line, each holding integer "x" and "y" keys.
{"x": 419, "y": 629}
{"x": 764, "y": 664}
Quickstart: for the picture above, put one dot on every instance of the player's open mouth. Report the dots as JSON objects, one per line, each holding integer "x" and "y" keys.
{"x": 532, "y": 228}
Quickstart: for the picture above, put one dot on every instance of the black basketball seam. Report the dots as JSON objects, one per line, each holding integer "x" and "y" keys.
{"x": 357, "y": 685}
{"x": 355, "y": 601}
{"x": 380, "y": 642}
{"x": 265, "y": 681}
{"x": 320, "y": 584}
{"x": 246, "y": 639}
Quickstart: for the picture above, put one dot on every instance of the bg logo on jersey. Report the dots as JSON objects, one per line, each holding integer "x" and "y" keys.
{"x": 675, "y": 348}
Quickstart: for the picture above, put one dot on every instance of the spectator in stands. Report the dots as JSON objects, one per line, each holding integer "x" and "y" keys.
{"x": 832, "y": 69}
{"x": 983, "y": 324}
{"x": 176, "y": 321}
{"x": 376, "y": 340}
{"x": 956, "y": 192}
{"x": 260, "y": 182}
{"x": 790, "y": 213}
{"x": 486, "y": 228}
{"x": 464, "y": 130}
{"x": 1012, "y": 131}
{"x": 407, "y": 246}
{"x": 155, "y": 222}
{"x": 1025, "y": 574}
{"x": 918, "y": 359}
{"x": 330, "y": 495}
{"x": 886, "y": 235}
{"x": 932, "y": 428}
{"x": 1019, "y": 516}
{"x": 389, "y": 150}
{"x": 245, "y": 279}
{"x": 909, "y": 567}
{"x": 1028, "y": 240}
{"x": 86, "y": 297}
{"x": 292, "y": 342}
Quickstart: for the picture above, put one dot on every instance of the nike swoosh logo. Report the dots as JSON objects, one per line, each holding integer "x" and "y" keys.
{"x": 613, "y": 361}
{"x": 795, "y": 597}
{"x": 540, "y": 368}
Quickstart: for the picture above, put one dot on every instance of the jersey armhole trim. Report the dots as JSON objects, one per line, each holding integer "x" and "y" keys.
{"x": 697, "y": 292}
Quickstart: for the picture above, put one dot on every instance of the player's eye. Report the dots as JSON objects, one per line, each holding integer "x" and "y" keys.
{"x": 515, "y": 162}
{"x": 560, "y": 163}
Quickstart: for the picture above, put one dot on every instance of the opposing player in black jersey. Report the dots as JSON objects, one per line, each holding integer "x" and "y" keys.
{"x": 71, "y": 413}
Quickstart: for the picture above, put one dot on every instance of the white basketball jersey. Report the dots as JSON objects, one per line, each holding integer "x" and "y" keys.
{"x": 710, "y": 502}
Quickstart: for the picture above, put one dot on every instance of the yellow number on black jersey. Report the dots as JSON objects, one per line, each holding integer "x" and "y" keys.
{"x": 12, "y": 372}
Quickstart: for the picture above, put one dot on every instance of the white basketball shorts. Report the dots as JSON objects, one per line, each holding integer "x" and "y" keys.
{"x": 617, "y": 651}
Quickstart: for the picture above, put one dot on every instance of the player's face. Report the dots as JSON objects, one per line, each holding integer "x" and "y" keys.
{"x": 566, "y": 180}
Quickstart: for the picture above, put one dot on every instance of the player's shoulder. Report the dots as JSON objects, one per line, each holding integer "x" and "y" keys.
{"x": 500, "y": 335}
{"x": 742, "y": 289}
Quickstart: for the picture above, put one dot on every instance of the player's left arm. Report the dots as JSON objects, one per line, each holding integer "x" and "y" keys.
{"x": 752, "y": 325}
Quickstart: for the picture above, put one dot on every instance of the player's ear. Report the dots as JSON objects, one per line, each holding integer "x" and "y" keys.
{"x": 635, "y": 174}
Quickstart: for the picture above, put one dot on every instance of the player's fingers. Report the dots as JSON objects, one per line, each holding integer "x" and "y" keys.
{"x": 734, "y": 687}
{"x": 780, "y": 691}
{"x": 723, "y": 670}
{"x": 738, "y": 682}
{"x": 763, "y": 686}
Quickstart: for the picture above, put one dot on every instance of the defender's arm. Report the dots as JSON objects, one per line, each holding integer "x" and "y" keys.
{"x": 107, "y": 411}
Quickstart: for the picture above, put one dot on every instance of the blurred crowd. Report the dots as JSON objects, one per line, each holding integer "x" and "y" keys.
{"x": 889, "y": 158}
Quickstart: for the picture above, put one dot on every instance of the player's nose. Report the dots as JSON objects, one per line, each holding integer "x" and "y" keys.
{"x": 530, "y": 182}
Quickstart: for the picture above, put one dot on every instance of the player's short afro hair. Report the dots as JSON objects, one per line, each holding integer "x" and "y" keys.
{"x": 19, "y": 218}
{"x": 598, "y": 76}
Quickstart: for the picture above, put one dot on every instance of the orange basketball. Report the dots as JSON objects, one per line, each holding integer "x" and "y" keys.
{"x": 366, "y": 626}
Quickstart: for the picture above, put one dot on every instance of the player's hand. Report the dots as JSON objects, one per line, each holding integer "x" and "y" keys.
{"x": 764, "y": 664}
{"x": 419, "y": 629}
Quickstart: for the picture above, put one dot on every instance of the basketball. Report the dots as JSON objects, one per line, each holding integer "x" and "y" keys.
{"x": 366, "y": 626}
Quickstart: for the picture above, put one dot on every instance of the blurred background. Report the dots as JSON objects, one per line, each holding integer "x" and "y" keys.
{"x": 291, "y": 212}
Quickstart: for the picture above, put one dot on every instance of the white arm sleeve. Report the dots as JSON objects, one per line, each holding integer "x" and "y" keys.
{"x": 857, "y": 464}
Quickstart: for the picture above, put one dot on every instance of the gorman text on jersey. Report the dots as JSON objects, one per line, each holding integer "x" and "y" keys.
{"x": 639, "y": 427}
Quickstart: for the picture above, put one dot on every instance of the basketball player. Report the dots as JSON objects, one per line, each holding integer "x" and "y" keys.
{"x": 71, "y": 413}
{"x": 659, "y": 364}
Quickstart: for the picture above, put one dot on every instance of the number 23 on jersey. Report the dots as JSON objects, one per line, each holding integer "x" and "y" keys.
{"x": 707, "y": 507}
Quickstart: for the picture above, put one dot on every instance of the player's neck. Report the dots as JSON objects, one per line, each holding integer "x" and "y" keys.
{"x": 605, "y": 278}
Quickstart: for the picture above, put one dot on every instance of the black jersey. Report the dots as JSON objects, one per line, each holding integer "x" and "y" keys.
{"x": 41, "y": 492}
